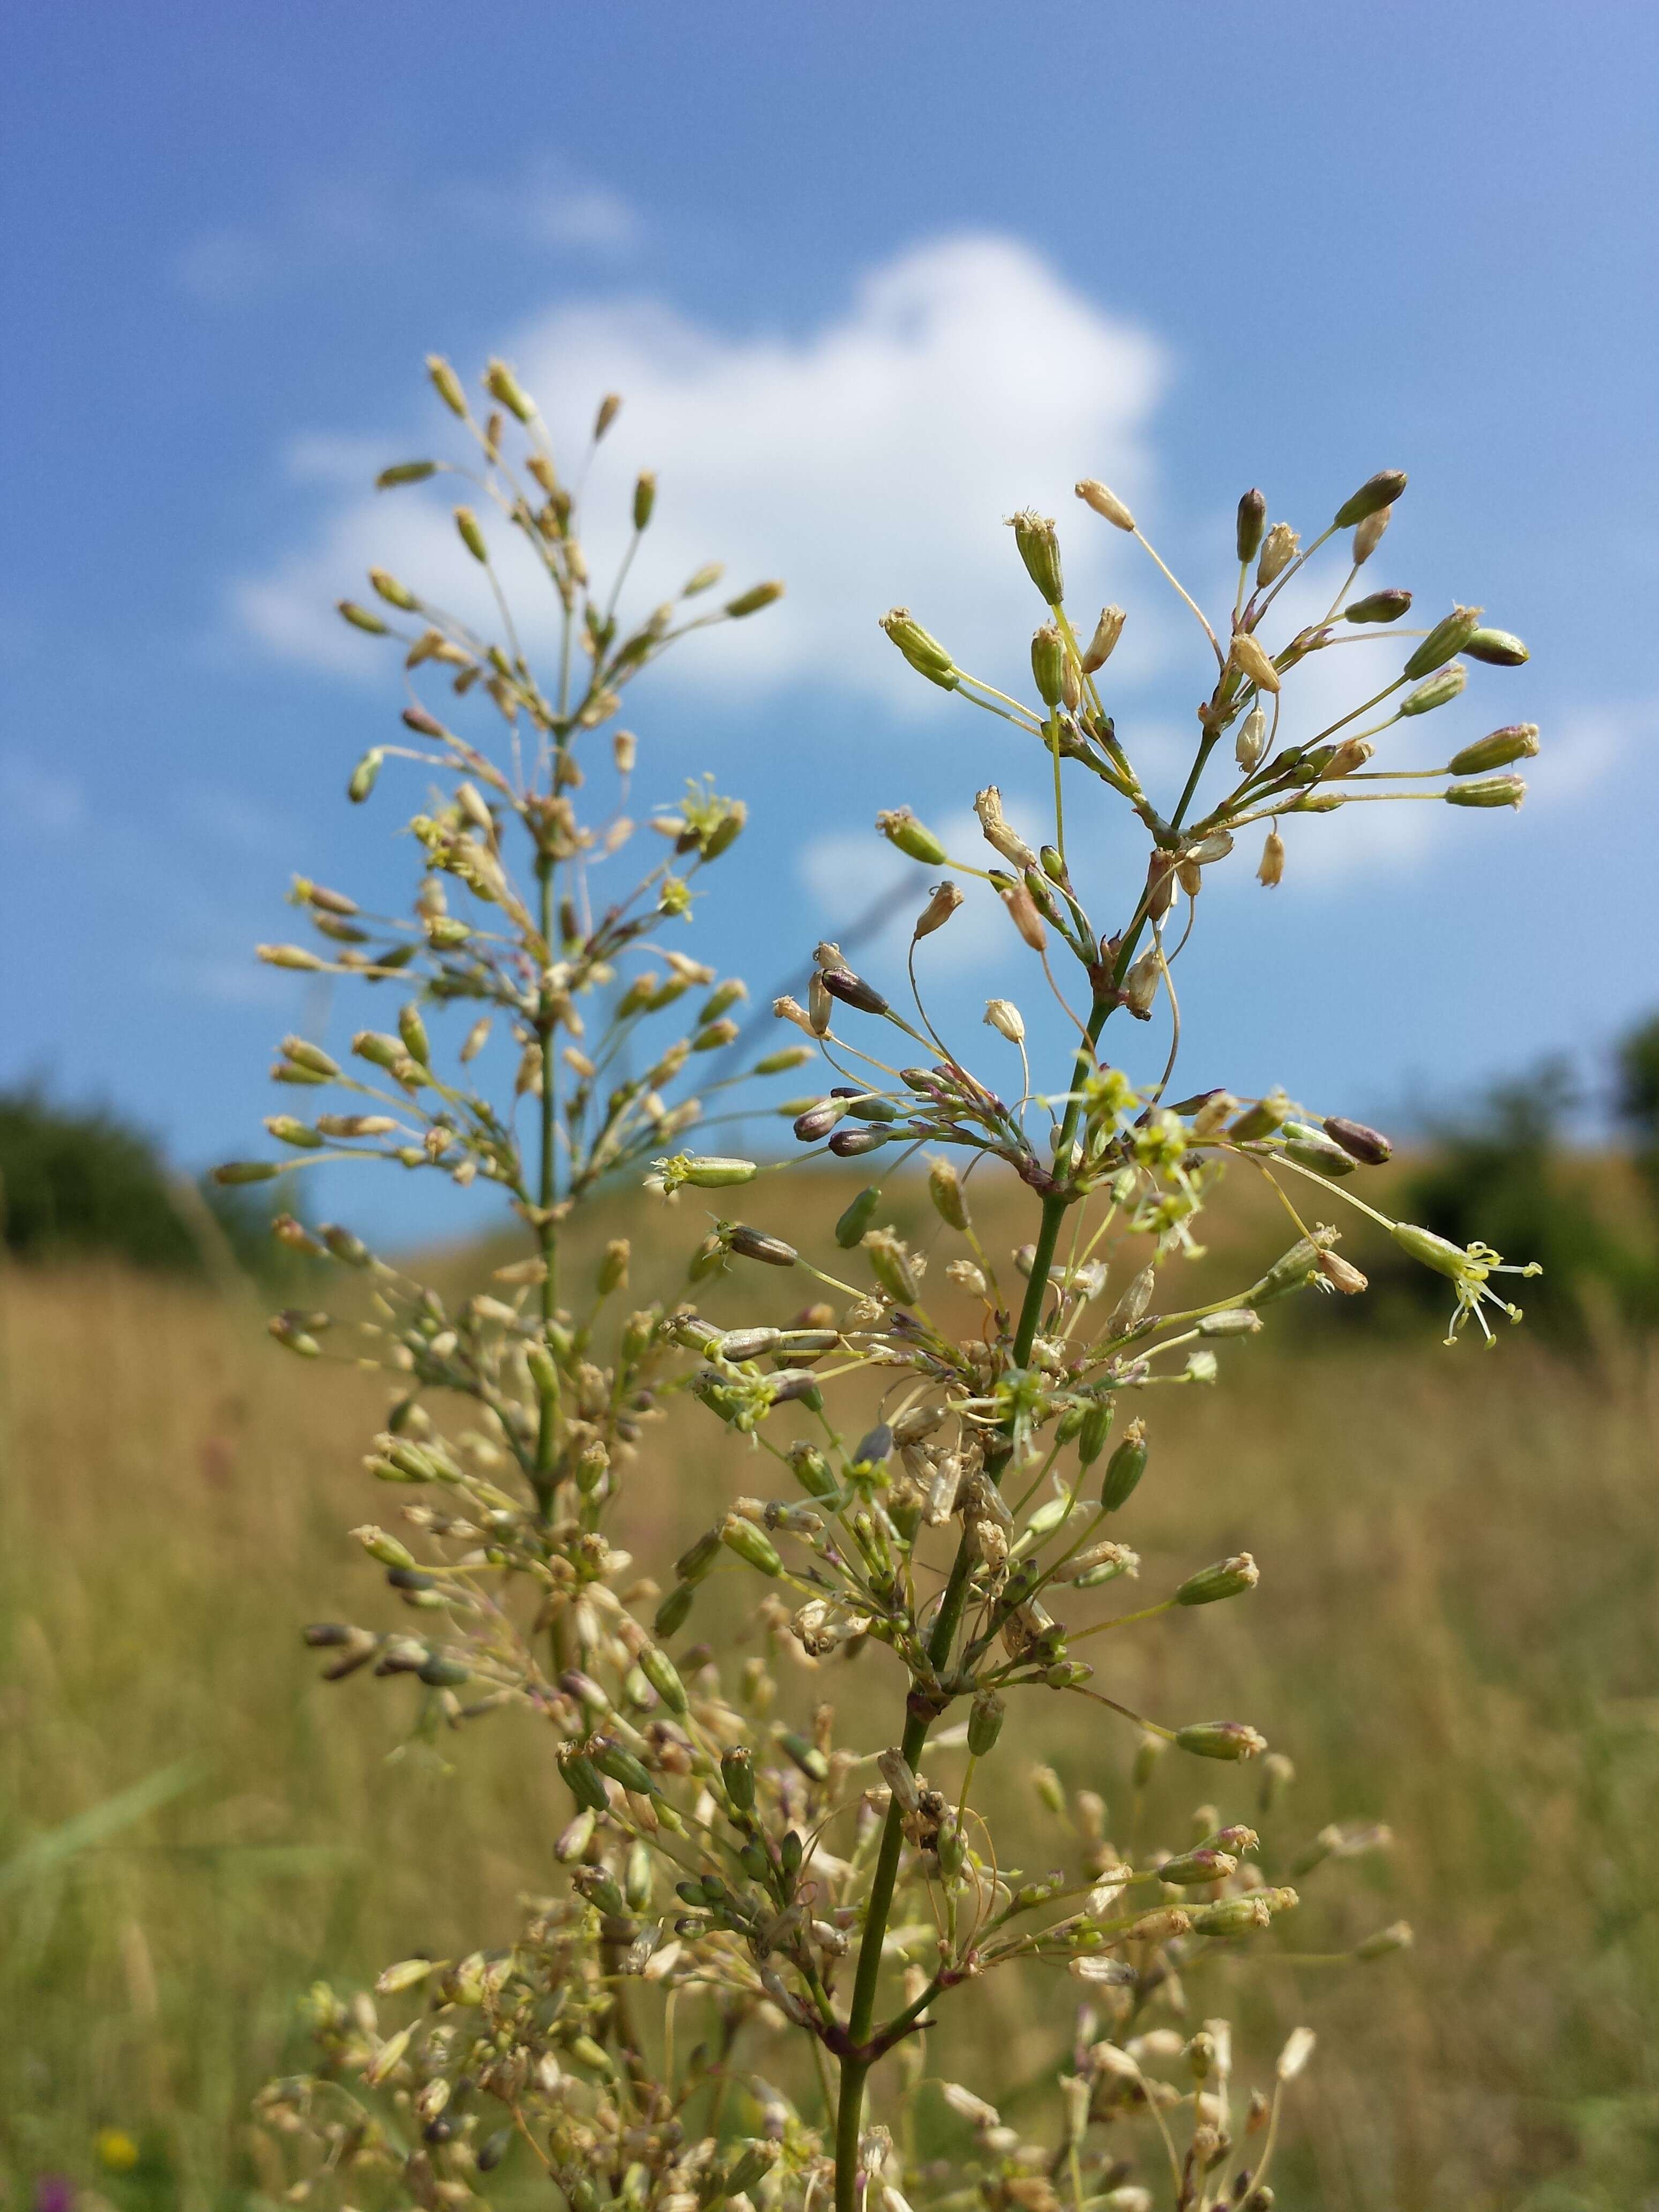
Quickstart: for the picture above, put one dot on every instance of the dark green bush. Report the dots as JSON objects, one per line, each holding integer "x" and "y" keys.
{"x": 79, "y": 1183}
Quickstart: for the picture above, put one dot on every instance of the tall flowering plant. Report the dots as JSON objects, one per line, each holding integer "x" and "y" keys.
{"x": 954, "y": 1463}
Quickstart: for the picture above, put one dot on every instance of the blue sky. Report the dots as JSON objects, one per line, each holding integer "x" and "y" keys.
{"x": 870, "y": 276}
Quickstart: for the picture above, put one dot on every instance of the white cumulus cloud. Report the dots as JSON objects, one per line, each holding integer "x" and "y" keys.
{"x": 869, "y": 461}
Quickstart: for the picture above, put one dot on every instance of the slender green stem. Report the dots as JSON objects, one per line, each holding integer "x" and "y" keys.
{"x": 546, "y": 1233}
{"x": 855, "y": 2069}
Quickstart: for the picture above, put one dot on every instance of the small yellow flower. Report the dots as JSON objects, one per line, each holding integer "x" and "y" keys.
{"x": 116, "y": 2149}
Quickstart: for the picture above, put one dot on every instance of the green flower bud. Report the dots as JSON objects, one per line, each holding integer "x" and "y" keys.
{"x": 287, "y": 1131}
{"x": 850, "y": 1229}
{"x": 1229, "y": 1916}
{"x": 694, "y": 1562}
{"x": 1444, "y": 641}
{"x": 582, "y": 1778}
{"x": 738, "y": 1778}
{"x": 924, "y": 653}
{"x": 501, "y": 384}
{"x": 1398, "y": 1937}
{"x": 1378, "y": 607}
{"x": 412, "y": 1030}
{"x": 360, "y": 618}
{"x": 233, "y": 1173}
{"x": 1378, "y": 491}
{"x": 811, "y": 1470}
{"x": 621, "y": 1767}
{"x": 752, "y": 601}
{"x": 945, "y": 1189}
{"x": 1437, "y": 691}
{"x": 984, "y": 1722}
{"x": 1048, "y": 665}
{"x": 394, "y": 593}
{"x": 1517, "y": 741}
{"x": 1039, "y": 548}
{"x": 1220, "y": 1739}
{"x": 1252, "y": 522}
{"x": 805, "y": 1755}
{"x": 901, "y": 828}
{"x": 365, "y": 775}
{"x": 672, "y": 1613}
{"x": 441, "y": 1672}
{"x": 1201, "y": 1865}
{"x": 890, "y": 1264}
{"x": 1490, "y": 791}
{"x": 404, "y": 472}
{"x": 1096, "y": 1427}
{"x": 471, "y": 536}
{"x": 1498, "y": 648}
{"x": 639, "y": 1877}
{"x": 1125, "y": 1468}
{"x": 574, "y": 1838}
{"x": 716, "y": 1174}
{"x": 1226, "y": 1578}
{"x": 445, "y": 384}
{"x": 1309, "y": 1148}
{"x": 750, "y": 1544}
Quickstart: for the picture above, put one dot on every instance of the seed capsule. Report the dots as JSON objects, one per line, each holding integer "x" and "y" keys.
{"x": 945, "y": 1189}
{"x": 1517, "y": 741}
{"x": 1490, "y": 791}
{"x": 1438, "y": 690}
{"x": 1202, "y": 1865}
{"x": 1370, "y": 1146}
{"x": 752, "y": 601}
{"x": 924, "y": 652}
{"x": 1105, "y": 502}
{"x": 853, "y": 991}
{"x": 1251, "y": 657}
{"x": 984, "y": 1722}
{"x": 1226, "y": 1578}
{"x": 1096, "y": 1426}
{"x": 1378, "y": 607}
{"x": 1231, "y": 1916}
{"x": 1398, "y": 1937}
{"x": 1048, "y": 665}
{"x": 1125, "y": 1468}
{"x": 900, "y": 827}
{"x": 672, "y": 1613}
{"x": 1368, "y": 536}
{"x": 360, "y": 618}
{"x": 1221, "y": 1740}
{"x": 750, "y": 1244}
{"x": 1444, "y": 641}
{"x": 1377, "y": 492}
{"x": 750, "y": 1544}
{"x": 1498, "y": 648}
{"x": 738, "y": 1778}
{"x": 850, "y": 1229}
{"x": 1108, "y": 631}
{"x": 1039, "y": 548}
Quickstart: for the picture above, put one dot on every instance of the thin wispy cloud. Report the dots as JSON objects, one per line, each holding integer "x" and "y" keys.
{"x": 333, "y": 224}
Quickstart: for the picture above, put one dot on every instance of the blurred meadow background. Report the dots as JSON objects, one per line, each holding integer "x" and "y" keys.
{"x": 1455, "y": 1635}
{"x": 870, "y": 278}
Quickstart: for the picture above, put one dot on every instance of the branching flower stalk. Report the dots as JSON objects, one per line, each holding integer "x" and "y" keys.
{"x": 845, "y": 1891}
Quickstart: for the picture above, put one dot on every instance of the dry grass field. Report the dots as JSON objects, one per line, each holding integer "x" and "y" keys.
{"x": 1456, "y": 1632}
